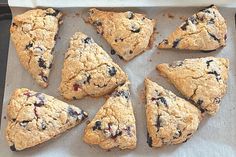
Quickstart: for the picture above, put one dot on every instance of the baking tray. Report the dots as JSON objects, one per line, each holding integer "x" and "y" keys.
{"x": 216, "y": 135}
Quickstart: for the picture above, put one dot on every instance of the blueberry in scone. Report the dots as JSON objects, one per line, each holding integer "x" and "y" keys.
{"x": 34, "y": 118}
{"x": 114, "y": 123}
{"x": 128, "y": 33}
{"x": 205, "y": 31}
{"x": 202, "y": 80}
{"x": 88, "y": 70}
{"x": 170, "y": 119}
{"x": 33, "y": 34}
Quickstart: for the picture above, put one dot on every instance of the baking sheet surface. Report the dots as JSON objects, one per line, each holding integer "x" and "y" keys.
{"x": 216, "y": 136}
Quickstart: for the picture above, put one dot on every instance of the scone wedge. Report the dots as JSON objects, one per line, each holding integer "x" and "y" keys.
{"x": 205, "y": 31}
{"x": 33, "y": 34}
{"x": 114, "y": 123}
{"x": 128, "y": 33}
{"x": 170, "y": 119}
{"x": 202, "y": 80}
{"x": 34, "y": 118}
{"x": 88, "y": 70}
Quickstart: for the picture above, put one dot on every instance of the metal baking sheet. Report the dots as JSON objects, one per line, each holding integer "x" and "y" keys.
{"x": 216, "y": 136}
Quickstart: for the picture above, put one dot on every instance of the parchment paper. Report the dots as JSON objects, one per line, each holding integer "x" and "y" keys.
{"x": 216, "y": 136}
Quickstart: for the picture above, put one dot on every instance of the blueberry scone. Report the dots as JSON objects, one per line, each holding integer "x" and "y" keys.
{"x": 128, "y": 33}
{"x": 205, "y": 31}
{"x": 114, "y": 124}
{"x": 202, "y": 80}
{"x": 34, "y": 118}
{"x": 88, "y": 70}
{"x": 170, "y": 119}
{"x": 33, "y": 34}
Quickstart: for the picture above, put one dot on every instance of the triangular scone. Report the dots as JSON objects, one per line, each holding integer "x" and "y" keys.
{"x": 88, "y": 70}
{"x": 34, "y": 118}
{"x": 170, "y": 119}
{"x": 114, "y": 124}
{"x": 33, "y": 34}
{"x": 128, "y": 33}
{"x": 205, "y": 30}
{"x": 203, "y": 80}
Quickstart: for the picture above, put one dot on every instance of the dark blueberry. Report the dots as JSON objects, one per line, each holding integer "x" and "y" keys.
{"x": 184, "y": 26}
{"x": 175, "y": 43}
{"x": 14, "y": 24}
{"x": 130, "y": 52}
{"x": 130, "y": 15}
{"x": 88, "y": 78}
{"x": 122, "y": 93}
{"x": 200, "y": 18}
{"x": 176, "y": 64}
{"x": 120, "y": 57}
{"x": 24, "y": 123}
{"x": 118, "y": 133}
{"x": 76, "y": 87}
{"x": 149, "y": 140}
{"x": 42, "y": 63}
{"x": 97, "y": 125}
{"x": 88, "y": 40}
{"x": 97, "y": 23}
{"x": 135, "y": 29}
{"x": 50, "y": 66}
{"x": 160, "y": 99}
{"x": 207, "y": 51}
{"x": 207, "y": 7}
{"x": 43, "y": 125}
{"x": 199, "y": 102}
{"x": 217, "y": 100}
{"x": 189, "y": 134}
{"x": 214, "y": 37}
{"x": 40, "y": 100}
{"x": 29, "y": 46}
{"x": 84, "y": 115}
{"x": 44, "y": 78}
{"x": 112, "y": 71}
{"x": 158, "y": 122}
{"x": 14, "y": 119}
{"x": 185, "y": 141}
{"x": 113, "y": 52}
{"x": 119, "y": 39}
{"x": 165, "y": 41}
{"x": 72, "y": 113}
{"x": 128, "y": 129}
{"x": 55, "y": 13}
{"x": 202, "y": 110}
{"x": 211, "y": 21}
{"x": 206, "y": 11}
{"x": 13, "y": 148}
{"x": 216, "y": 75}
{"x": 74, "y": 98}
{"x": 177, "y": 134}
{"x": 208, "y": 63}
{"x": 193, "y": 20}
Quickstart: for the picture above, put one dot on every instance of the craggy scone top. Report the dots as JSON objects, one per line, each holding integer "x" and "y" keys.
{"x": 202, "y": 80}
{"x": 114, "y": 123}
{"x": 128, "y": 33}
{"x": 34, "y": 118}
{"x": 88, "y": 70}
{"x": 33, "y": 34}
{"x": 170, "y": 119}
{"x": 205, "y": 30}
